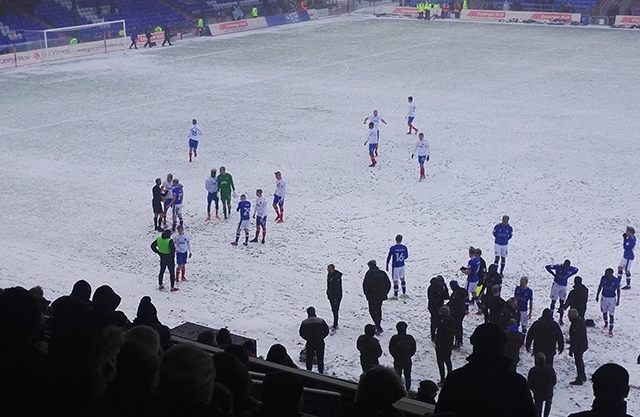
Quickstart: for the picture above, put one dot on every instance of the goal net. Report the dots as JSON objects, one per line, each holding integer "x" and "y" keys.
{"x": 77, "y": 41}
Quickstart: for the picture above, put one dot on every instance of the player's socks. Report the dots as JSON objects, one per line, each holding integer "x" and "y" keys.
{"x": 281, "y": 214}
{"x": 421, "y": 172}
{"x": 404, "y": 287}
{"x": 502, "y": 264}
{"x": 181, "y": 222}
{"x": 264, "y": 235}
{"x": 246, "y": 238}
{"x": 173, "y": 228}
{"x": 395, "y": 289}
{"x": 195, "y": 152}
{"x": 189, "y": 156}
{"x": 255, "y": 239}
{"x": 237, "y": 237}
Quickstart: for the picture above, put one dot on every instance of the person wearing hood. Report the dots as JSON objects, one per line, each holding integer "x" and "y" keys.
{"x": 147, "y": 315}
{"x": 334, "y": 292}
{"x": 457, "y": 309}
{"x": 445, "y": 333}
{"x": 402, "y": 347}
{"x": 508, "y": 393}
{"x": 378, "y": 389}
{"x": 165, "y": 248}
{"x": 542, "y": 378}
{"x": 546, "y": 335}
{"x": 515, "y": 339}
{"x": 369, "y": 348}
{"x": 610, "y": 388}
{"x": 278, "y": 354}
{"x": 577, "y": 297}
{"x": 376, "y": 286}
{"x": 105, "y": 301}
{"x": 437, "y": 293}
{"x": 77, "y": 304}
{"x": 313, "y": 329}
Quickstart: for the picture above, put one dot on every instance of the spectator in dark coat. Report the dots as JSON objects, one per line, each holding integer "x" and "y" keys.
{"x": 207, "y": 337}
{"x": 73, "y": 306}
{"x": 369, "y": 348}
{"x": 509, "y": 311}
{"x": 167, "y": 35}
{"x": 482, "y": 271}
{"x": 578, "y": 344}
{"x": 515, "y": 339}
{"x": 577, "y": 297}
{"x": 445, "y": 334}
{"x": 278, "y": 354}
{"x": 545, "y": 334}
{"x": 465, "y": 394}
{"x": 542, "y": 379}
{"x": 378, "y": 389}
{"x": 437, "y": 293}
{"x": 281, "y": 396}
{"x": 376, "y": 286}
{"x": 493, "y": 277}
{"x": 105, "y": 301}
{"x": 313, "y": 329}
{"x": 234, "y": 375}
{"x": 223, "y": 337}
{"x": 610, "y": 387}
{"x": 457, "y": 309}
{"x": 147, "y": 315}
{"x": 493, "y": 305}
{"x": 334, "y": 292}
{"x": 427, "y": 391}
{"x": 402, "y": 347}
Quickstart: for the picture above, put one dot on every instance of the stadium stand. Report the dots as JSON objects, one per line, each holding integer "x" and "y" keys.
{"x": 11, "y": 27}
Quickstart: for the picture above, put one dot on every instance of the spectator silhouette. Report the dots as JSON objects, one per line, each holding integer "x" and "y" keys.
{"x": 278, "y": 354}
{"x": 506, "y": 396}
{"x": 427, "y": 391}
{"x": 445, "y": 335}
{"x": 147, "y": 315}
{"x": 241, "y": 353}
{"x": 578, "y": 344}
{"x": 457, "y": 310}
{"x": 610, "y": 388}
{"x": 542, "y": 379}
{"x": 105, "y": 301}
{"x": 207, "y": 337}
{"x": 223, "y": 338}
{"x": 492, "y": 305}
{"x": 515, "y": 339}
{"x": 369, "y": 348}
{"x": 73, "y": 306}
{"x": 577, "y": 297}
{"x": 233, "y": 374}
{"x": 545, "y": 334}
{"x": 376, "y": 286}
{"x": 509, "y": 311}
{"x": 378, "y": 389}
{"x": 402, "y": 347}
{"x": 281, "y": 396}
{"x": 437, "y": 294}
{"x": 313, "y": 329}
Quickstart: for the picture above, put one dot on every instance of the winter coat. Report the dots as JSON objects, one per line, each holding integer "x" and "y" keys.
{"x": 482, "y": 272}
{"x": 605, "y": 408}
{"x": 369, "y": 348}
{"x": 542, "y": 379}
{"x": 577, "y": 299}
{"x": 492, "y": 278}
{"x": 334, "y": 285}
{"x": 578, "y": 341}
{"x": 507, "y": 313}
{"x": 445, "y": 332}
{"x": 493, "y": 306}
{"x": 314, "y": 330}
{"x": 376, "y": 284}
{"x": 514, "y": 343}
{"x": 402, "y": 347}
{"x": 545, "y": 335}
{"x": 437, "y": 293}
{"x": 466, "y": 390}
{"x": 457, "y": 301}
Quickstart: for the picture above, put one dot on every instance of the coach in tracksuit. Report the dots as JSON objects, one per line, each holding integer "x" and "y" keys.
{"x": 334, "y": 292}
{"x": 313, "y": 329}
{"x": 164, "y": 247}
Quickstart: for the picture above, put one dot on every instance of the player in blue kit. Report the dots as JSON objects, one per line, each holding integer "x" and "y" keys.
{"x": 524, "y": 296}
{"x": 502, "y": 232}
{"x": 398, "y": 253}
{"x": 244, "y": 207}
{"x": 176, "y": 203}
{"x": 561, "y": 274}
{"x": 471, "y": 271}
{"x": 194, "y": 137}
{"x": 629, "y": 243}
{"x": 610, "y": 289}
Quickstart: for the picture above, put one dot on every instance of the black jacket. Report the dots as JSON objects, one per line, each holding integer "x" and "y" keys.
{"x": 369, "y": 348}
{"x": 402, "y": 347}
{"x": 314, "y": 330}
{"x": 542, "y": 379}
{"x": 482, "y": 271}
{"x": 437, "y": 293}
{"x": 376, "y": 284}
{"x": 507, "y": 313}
{"x": 334, "y": 285}
{"x": 577, "y": 299}
{"x": 492, "y": 278}
{"x": 545, "y": 335}
{"x": 445, "y": 332}
{"x": 492, "y": 306}
{"x": 514, "y": 343}
{"x": 578, "y": 336}
{"x": 457, "y": 301}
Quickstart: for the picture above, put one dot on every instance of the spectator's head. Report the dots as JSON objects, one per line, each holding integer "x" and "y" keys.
{"x": 311, "y": 312}
{"x": 208, "y": 337}
{"x": 331, "y": 268}
{"x": 138, "y": 363}
{"x": 372, "y": 264}
{"x": 278, "y": 354}
{"x": 610, "y": 382}
{"x": 105, "y": 299}
{"x": 512, "y": 322}
{"x": 250, "y": 346}
{"x": 488, "y": 336}
{"x": 147, "y": 312}
{"x": 495, "y": 290}
{"x": 547, "y": 314}
{"x": 492, "y": 269}
{"x": 369, "y": 330}
{"x": 454, "y": 284}
{"x": 281, "y": 391}
{"x": 187, "y": 374}
{"x": 38, "y": 293}
{"x": 572, "y": 314}
{"x": 541, "y": 358}
{"x": 223, "y": 338}
{"x": 81, "y": 290}
{"x": 239, "y": 352}
{"x": 440, "y": 279}
{"x": 513, "y": 303}
{"x": 379, "y": 386}
{"x": 577, "y": 280}
{"x": 444, "y": 311}
{"x": 147, "y": 336}
{"x": 20, "y": 315}
{"x": 401, "y": 327}
{"x": 232, "y": 373}
{"x": 427, "y": 391}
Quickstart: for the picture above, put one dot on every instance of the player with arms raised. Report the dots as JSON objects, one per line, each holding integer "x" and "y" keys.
{"x": 561, "y": 274}
{"x": 629, "y": 243}
{"x": 376, "y": 125}
{"x": 244, "y": 208}
{"x": 398, "y": 253}
{"x": 194, "y": 137}
{"x": 422, "y": 150}
{"x": 260, "y": 214}
{"x": 278, "y": 197}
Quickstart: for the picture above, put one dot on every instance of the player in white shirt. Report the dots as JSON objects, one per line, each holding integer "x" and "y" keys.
{"x": 278, "y": 197}
{"x": 194, "y": 137}
{"x": 260, "y": 214}
{"x": 211, "y": 185}
{"x": 167, "y": 188}
{"x": 183, "y": 251}
{"x": 372, "y": 139}
{"x": 376, "y": 125}
{"x": 411, "y": 115}
{"x": 422, "y": 150}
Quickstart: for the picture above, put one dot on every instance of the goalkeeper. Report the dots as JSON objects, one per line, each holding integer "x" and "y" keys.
{"x": 225, "y": 187}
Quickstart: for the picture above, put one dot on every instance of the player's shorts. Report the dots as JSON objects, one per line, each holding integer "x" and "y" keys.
{"x": 524, "y": 318}
{"x": 471, "y": 287}
{"x": 244, "y": 224}
{"x": 167, "y": 202}
{"x": 421, "y": 159}
{"x": 226, "y": 198}
{"x": 501, "y": 250}
{"x": 261, "y": 221}
{"x": 397, "y": 272}
{"x": 608, "y": 305}
{"x": 625, "y": 264}
{"x": 558, "y": 291}
{"x": 373, "y": 147}
{"x": 212, "y": 197}
{"x": 410, "y": 120}
{"x": 157, "y": 206}
{"x": 181, "y": 258}
{"x": 177, "y": 209}
{"x": 278, "y": 200}
{"x": 193, "y": 143}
